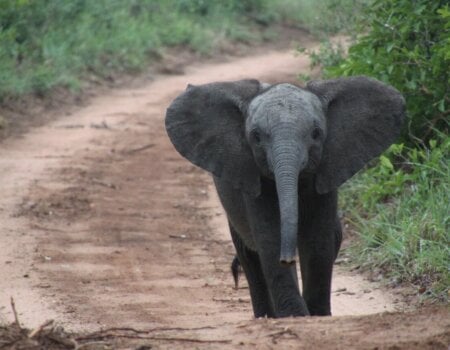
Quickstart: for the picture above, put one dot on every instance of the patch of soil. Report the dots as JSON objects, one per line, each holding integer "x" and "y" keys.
{"x": 69, "y": 204}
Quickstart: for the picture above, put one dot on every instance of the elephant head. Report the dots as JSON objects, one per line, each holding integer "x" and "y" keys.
{"x": 240, "y": 131}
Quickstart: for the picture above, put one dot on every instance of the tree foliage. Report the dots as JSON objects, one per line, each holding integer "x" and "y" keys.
{"x": 407, "y": 44}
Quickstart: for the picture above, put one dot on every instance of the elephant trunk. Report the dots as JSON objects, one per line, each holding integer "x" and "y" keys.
{"x": 289, "y": 160}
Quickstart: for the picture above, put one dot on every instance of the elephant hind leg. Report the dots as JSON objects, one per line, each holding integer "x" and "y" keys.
{"x": 249, "y": 260}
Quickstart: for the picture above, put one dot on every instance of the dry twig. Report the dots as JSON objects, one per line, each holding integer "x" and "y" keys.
{"x": 146, "y": 334}
{"x": 39, "y": 329}
{"x": 16, "y": 317}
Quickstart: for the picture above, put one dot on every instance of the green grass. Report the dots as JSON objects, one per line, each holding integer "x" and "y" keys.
{"x": 401, "y": 212}
{"x": 59, "y": 42}
{"x": 321, "y": 17}
{"x": 50, "y": 43}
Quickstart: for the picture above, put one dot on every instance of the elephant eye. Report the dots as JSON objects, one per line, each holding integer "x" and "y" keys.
{"x": 315, "y": 133}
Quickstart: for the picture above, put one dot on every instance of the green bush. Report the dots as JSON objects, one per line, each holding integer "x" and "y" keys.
{"x": 408, "y": 46}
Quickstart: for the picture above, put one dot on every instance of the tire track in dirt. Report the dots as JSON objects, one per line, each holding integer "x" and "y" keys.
{"x": 104, "y": 225}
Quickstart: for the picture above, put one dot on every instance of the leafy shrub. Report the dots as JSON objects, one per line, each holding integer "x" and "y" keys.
{"x": 407, "y": 46}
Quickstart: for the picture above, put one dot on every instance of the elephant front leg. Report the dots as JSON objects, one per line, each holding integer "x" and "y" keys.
{"x": 318, "y": 246}
{"x": 251, "y": 265}
{"x": 281, "y": 281}
{"x": 282, "y": 284}
{"x": 316, "y": 267}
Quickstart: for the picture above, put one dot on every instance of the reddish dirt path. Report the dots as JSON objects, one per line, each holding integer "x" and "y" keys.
{"x": 105, "y": 225}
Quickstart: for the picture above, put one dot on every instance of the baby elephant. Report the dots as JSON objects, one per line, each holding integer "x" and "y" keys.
{"x": 277, "y": 154}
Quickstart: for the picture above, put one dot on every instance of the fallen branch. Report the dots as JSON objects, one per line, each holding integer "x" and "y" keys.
{"x": 116, "y": 330}
{"x": 136, "y": 336}
{"x": 225, "y": 341}
{"x": 67, "y": 342}
{"x": 39, "y": 329}
{"x": 145, "y": 334}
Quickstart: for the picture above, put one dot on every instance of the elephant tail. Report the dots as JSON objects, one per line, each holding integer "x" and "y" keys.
{"x": 236, "y": 269}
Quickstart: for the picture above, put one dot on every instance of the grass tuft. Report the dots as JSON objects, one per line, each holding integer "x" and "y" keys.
{"x": 401, "y": 211}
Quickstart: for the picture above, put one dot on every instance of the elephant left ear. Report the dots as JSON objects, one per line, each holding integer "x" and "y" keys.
{"x": 364, "y": 117}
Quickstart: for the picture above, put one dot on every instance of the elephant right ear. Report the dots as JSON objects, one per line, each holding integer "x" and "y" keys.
{"x": 206, "y": 124}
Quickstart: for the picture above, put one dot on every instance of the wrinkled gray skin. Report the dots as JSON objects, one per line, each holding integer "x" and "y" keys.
{"x": 278, "y": 154}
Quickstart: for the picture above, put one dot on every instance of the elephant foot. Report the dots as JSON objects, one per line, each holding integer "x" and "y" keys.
{"x": 295, "y": 309}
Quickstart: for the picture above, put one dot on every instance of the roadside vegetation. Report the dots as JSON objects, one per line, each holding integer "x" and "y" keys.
{"x": 321, "y": 17}
{"x": 401, "y": 206}
{"x": 53, "y": 43}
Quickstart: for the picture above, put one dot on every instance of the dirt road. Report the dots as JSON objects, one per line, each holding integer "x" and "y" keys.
{"x": 105, "y": 225}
